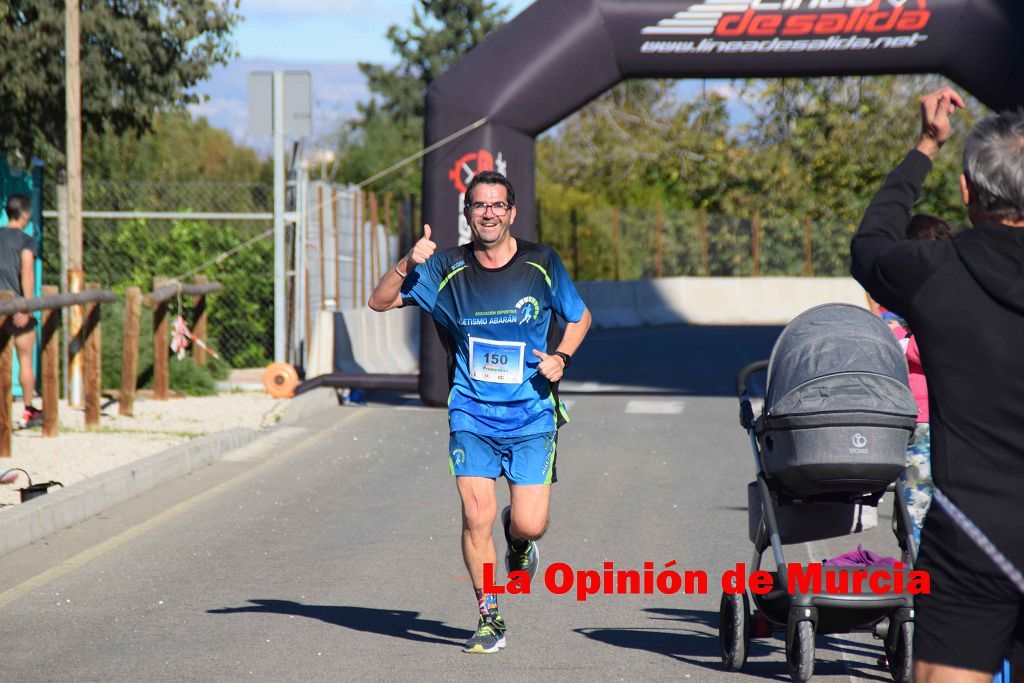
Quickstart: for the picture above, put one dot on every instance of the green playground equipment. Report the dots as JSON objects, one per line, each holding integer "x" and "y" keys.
{"x": 28, "y": 182}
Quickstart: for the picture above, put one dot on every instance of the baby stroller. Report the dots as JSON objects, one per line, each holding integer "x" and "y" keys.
{"x": 830, "y": 440}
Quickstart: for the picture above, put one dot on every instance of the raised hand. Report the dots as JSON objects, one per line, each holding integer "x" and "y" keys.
{"x": 550, "y": 367}
{"x": 423, "y": 249}
{"x": 936, "y": 108}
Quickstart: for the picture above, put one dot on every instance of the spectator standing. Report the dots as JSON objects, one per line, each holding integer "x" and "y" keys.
{"x": 18, "y": 252}
{"x": 964, "y": 299}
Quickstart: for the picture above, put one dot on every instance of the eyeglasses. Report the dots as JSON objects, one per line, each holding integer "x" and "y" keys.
{"x": 499, "y": 208}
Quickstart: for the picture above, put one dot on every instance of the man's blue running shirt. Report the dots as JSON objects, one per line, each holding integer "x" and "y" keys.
{"x": 496, "y": 318}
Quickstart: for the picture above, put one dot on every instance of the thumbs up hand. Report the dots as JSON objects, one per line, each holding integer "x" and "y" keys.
{"x": 423, "y": 249}
{"x": 550, "y": 367}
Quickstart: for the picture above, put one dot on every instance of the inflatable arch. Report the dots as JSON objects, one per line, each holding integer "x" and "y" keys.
{"x": 558, "y": 55}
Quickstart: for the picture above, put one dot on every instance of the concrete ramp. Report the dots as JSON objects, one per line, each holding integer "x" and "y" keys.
{"x": 362, "y": 340}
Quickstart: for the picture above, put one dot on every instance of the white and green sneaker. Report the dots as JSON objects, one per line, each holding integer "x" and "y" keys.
{"x": 489, "y": 636}
{"x": 519, "y": 558}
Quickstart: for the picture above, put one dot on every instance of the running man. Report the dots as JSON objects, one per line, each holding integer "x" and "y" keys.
{"x": 495, "y": 300}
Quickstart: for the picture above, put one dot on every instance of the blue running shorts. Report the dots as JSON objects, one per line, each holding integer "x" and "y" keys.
{"x": 523, "y": 460}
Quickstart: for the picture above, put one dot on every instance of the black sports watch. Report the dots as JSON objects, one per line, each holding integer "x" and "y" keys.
{"x": 566, "y": 358}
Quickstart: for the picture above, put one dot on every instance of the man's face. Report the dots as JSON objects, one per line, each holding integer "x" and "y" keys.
{"x": 488, "y": 227}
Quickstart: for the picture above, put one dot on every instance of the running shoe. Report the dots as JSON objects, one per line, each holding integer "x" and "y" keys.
{"x": 526, "y": 559}
{"x": 489, "y": 636}
{"x": 31, "y": 417}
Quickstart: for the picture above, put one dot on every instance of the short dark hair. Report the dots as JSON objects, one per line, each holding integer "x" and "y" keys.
{"x": 489, "y": 178}
{"x": 18, "y": 206}
{"x": 924, "y": 226}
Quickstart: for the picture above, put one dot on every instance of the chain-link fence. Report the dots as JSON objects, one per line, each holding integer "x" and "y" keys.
{"x": 121, "y": 253}
{"x": 341, "y": 256}
{"x": 224, "y": 231}
{"x": 628, "y": 243}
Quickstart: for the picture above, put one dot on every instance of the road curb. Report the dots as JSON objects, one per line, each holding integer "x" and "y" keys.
{"x": 309, "y": 404}
{"x": 24, "y": 524}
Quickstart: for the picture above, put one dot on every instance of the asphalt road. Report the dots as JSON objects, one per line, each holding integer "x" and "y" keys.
{"x": 332, "y": 553}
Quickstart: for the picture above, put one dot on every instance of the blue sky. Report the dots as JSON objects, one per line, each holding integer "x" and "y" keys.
{"x": 325, "y": 30}
{"x": 324, "y": 37}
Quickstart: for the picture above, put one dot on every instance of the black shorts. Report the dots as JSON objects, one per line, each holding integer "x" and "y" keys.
{"x": 13, "y": 330}
{"x": 972, "y": 618}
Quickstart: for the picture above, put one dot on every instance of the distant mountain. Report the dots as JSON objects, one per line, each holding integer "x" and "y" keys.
{"x": 336, "y": 90}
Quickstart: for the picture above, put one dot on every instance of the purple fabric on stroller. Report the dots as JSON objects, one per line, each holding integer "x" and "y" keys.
{"x": 860, "y": 558}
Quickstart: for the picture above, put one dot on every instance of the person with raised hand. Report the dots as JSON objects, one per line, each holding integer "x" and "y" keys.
{"x": 495, "y": 300}
{"x": 964, "y": 299}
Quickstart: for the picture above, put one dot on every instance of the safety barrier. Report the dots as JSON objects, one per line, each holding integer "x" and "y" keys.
{"x": 163, "y": 291}
{"x": 712, "y": 301}
{"x": 89, "y": 340}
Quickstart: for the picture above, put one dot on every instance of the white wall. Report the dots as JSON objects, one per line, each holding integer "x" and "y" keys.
{"x": 713, "y": 300}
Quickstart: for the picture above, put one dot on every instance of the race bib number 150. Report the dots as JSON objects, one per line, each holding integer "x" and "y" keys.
{"x": 496, "y": 361}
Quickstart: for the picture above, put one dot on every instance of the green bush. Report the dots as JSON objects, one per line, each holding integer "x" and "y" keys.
{"x": 129, "y": 253}
{"x": 187, "y": 377}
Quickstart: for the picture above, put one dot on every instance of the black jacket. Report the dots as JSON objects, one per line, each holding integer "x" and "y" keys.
{"x": 964, "y": 299}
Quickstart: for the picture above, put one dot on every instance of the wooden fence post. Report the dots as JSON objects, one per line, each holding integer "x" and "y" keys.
{"x": 130, "y": 351}
{"x": 51, "y": 366}
{"x": 537, "y": 221}
{"x": 659, "y": 238}
{"x": 6, "y": 383}
{"x": 575, "y": 245}
{"x": 704, "y": 242}
{"x": 808, "y": 262}
{"x": 374, "y": 247}
{"x": 161, "y": 378}
{"x": 756, "y": 247}
{"x": 93, "y": 371}
{"x": 76, "y": 316}
{"x": 615, "y": 242}
{"x": 336, "y": 256}
{"x": 321, "y": 248}
{"x": 199, "y": 330}
{"x": 358, "y": 265}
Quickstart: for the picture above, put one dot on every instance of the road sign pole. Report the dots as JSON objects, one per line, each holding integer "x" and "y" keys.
{"x": 279, "y": 236}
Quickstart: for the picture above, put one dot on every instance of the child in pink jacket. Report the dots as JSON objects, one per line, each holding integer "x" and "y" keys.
{"x": 916, "y": 479}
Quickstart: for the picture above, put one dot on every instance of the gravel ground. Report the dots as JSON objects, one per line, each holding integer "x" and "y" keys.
{"x": 77, "y": 454}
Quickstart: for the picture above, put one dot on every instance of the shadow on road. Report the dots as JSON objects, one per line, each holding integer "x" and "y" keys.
{"x": 385, "y": 622}
{"x": 684, "y": 359}
{"x": 683, "y": 635}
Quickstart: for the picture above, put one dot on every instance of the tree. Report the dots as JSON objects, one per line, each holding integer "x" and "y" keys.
{"x": 640, "y": 143}
{"x": 390, "y": 126}
{"x": 810, "y": 150}
{"x": 157, "y": 155}
{"x": 829, "y": 142}
{"x": 138, "y": 57}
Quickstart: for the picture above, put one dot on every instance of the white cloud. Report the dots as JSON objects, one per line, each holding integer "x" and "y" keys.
{"x": 725, "y": 91}
{"x": 302, "y": 6}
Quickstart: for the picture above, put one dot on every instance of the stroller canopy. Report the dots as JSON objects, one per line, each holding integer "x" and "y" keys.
{"x": 837, "y": 358}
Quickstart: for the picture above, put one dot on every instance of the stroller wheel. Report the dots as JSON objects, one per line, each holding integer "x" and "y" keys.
{"x": 800, "y": 650}
{"x": 734, "y": 630}
{"x": 899, "y": 652}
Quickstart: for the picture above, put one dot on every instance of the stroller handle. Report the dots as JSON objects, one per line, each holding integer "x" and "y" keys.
{"x": 746, "y": 372}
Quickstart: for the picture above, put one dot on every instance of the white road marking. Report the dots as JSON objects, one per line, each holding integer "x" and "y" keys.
{"x": 648, "y": 407}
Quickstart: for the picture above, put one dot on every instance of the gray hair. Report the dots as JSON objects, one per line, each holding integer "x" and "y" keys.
{"x": 994, "y": 166}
